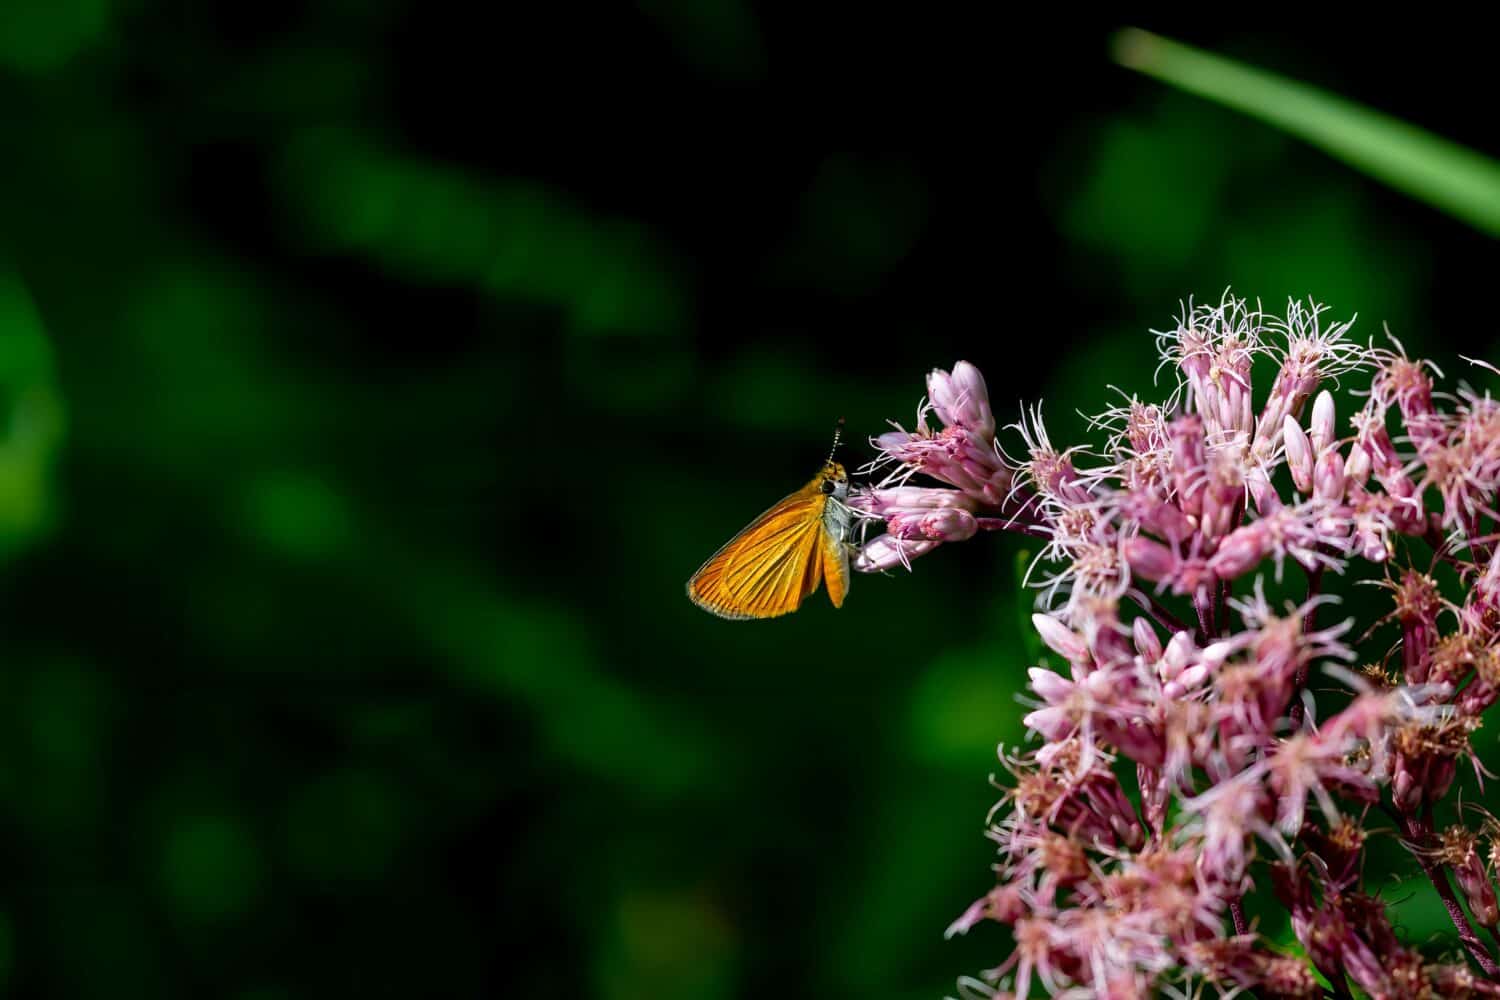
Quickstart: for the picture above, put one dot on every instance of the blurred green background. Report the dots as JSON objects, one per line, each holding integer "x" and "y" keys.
{"x": 372, "y": 375}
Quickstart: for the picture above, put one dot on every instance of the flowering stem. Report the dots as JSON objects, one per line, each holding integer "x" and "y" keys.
{"x": 1222, "y": 614}
{"x": 1314, "y": 585}
{"x": 1238, "y": 913}
{"x": 1017, "y": 512}
{"x": 1202, "y": 604}
{"x": 1009, "y": 524}
{"x": 1419, "y": 833}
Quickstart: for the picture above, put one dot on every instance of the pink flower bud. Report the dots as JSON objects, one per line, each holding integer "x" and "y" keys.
{"x": 961, "y": 399}
{"x": 1217, "y": 652}
{"x": 1240, "y": 552}
{"x": 949, "y": 524}
{"x": 1147, "y": 642}
{"x": 1224, "y": 496}
{"x": 1261, "y": 491}
{"x": 1179, "y": 654}
{"x": 1384, "y": 460}
{"x": 1061, "y": 639}
{"x": 1050, "y": 687}
{"x": 1232, "y": 411}
{"x": 1160, "y": 518}
{"x": 1299, "y": 455}
{"x": 1189, "y": 464}
{"x": 1328, "y": 478}
{"x": 1364, "y": 967}
{"x": 1324, "y": 426}
{"x": 1356, "y": 471}
{"x": 1469, "y": 871}
{"x": 1186, "y": 681}
{"x": 909, "y": 499}
{"x": 893, "y": 443}
{"x": 1052, "y": 723}
{"x": 1372, "y": 542}
{"x": 1150, "y": 560}
{"x": 888, "y": 552}
{"x": 1406, "y": 785}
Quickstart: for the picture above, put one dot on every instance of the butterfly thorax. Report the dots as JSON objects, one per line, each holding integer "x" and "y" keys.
{"x": 833, "y": 483}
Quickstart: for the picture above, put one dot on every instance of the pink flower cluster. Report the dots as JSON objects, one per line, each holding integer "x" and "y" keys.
{"x": 1184, "y": 768}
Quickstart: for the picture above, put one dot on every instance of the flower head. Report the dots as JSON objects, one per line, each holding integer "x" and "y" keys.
{"x": 1177, "y": 673}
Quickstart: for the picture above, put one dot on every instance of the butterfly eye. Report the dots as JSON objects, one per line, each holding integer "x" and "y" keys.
{"x": 827, "y": 486}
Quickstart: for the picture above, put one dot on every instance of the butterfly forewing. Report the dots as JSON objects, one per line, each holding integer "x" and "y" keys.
{"x": 769, "y": 568}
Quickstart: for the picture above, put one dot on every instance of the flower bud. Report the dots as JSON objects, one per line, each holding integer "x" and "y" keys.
{"x": 1240, "y": 552}
{"x": 1050, "y": 687}
{"x": 1052, "y": 723}
{"x": 960, "y": 399}
{"x": 888, "y": 552}
{"x": 1060, "y": 639}
{"x": 1180, "y": 649}
{"x": 1328, "y": 477}
{"x": 1189, "y": 463}
{"x": 1261, "y": 491}
{"x": 1385, "y": 462}
{"x": 1469, "y": 871}
{"x": 1406, "y": 786}
{"x": 1372, "y": 540}
{"x": 1357, "y": 469}
{"x": 1299, "y": 455}
{"x": 909, "y": 499}
{"x": 1150, "y": 560}
{"x": 1161, "y": 518}
{"x": 1323, "y": 423}
{"x": 1147, "y": 642}
{"x": 1364, "y": 966}
{"x": 949, "y": 524}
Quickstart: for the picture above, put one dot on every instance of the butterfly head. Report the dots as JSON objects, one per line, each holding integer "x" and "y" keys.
{"x": 833, "y": 480}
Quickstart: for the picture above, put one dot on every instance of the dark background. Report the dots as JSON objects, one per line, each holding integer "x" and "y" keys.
{"x": 372, "y": 376}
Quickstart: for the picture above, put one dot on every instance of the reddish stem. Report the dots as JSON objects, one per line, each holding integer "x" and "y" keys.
{"x": 1159, "y": 612}
{"x": 1222, "y": 614}
{"x": 1202, "y": 604}
{"x": 1237, "y": 911}
{"x": 1419, "y": 833}
{"x": 1006, "y": 524}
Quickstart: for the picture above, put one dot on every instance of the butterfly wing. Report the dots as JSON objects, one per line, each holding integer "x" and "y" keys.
{"x": 769, "y": 568}
{"x": 834, "y": 556}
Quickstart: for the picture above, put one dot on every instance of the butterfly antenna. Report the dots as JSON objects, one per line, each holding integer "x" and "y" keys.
{"x": 838, "y": 437}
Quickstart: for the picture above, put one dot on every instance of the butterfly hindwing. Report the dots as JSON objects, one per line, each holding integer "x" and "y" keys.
{"x": 834, "y": 557}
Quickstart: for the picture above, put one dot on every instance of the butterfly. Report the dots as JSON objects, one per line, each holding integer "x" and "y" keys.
{"x": 770, "y": 567}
